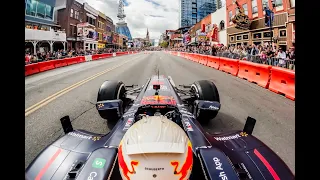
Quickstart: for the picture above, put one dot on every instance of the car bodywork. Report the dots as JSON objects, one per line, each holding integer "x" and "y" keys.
{"x": 230, "y": 155}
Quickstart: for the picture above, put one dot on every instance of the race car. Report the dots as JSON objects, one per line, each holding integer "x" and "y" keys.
{"x": 158, "y": 134}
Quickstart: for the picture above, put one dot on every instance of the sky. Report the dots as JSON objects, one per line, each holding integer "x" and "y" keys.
{"x": 156, "y": 15}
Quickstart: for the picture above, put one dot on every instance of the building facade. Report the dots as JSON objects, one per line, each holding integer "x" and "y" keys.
{"x": 192, "y": 11}
{"x": 110, "y": 29}
{"x": 42, "y": 33}
{"x": 218, "y": 19}
{"x": 87, "y": 31}
{"x": 283, "y": 30}
{"x": 101, "y": 30}
{"x": 69, "y": 15}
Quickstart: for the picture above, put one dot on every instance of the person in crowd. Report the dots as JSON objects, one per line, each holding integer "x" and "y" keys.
{"x": 281, "y": 56}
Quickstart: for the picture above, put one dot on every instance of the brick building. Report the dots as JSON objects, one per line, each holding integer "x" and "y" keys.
{"x": 283, "y": 24}
{"x": 101, "y": 29}
{"x": 110, "y": 29}
{"x": 68, "y": 17}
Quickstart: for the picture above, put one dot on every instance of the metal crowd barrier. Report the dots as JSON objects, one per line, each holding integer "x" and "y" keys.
{"x": 285, "y": 63}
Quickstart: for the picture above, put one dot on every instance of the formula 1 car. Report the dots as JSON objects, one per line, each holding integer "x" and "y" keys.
{"x": 227, "y": 156}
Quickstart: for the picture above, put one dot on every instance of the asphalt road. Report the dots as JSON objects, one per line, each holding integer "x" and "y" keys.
{"x": 275, "y": 114}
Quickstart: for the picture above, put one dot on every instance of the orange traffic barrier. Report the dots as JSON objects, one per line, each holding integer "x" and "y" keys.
{"x": 73, "y": 60}
{"x": 253, "y": 72}
{"x": 31, "y": 69}
{"x": 229, "y": 65}
{"x": 282, "y": 81}
{"x": 194, "y": 57}
{"x": 81, "y": 59}
{"x": 203, "y": 59}
{"x": 213, "y": 61}
{"x": 59, "y": 63}
{"x": 45, "y": 66}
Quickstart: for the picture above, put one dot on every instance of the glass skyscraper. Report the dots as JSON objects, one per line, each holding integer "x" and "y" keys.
{"x": 192, "y": 11}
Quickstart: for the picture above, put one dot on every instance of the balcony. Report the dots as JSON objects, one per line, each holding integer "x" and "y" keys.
{"x": 40, "y": 35}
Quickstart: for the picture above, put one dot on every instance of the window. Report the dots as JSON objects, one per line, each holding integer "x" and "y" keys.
{"x": 254, "y": 6}
{"x": 283, "y": 33}
{"x": 245, "y": 36}
{"x": 230, "y": 16}
{"x": 41, "y": 10}
{"x": 72, "y": 30}
{"x": 239, "y": 38}
{"x": 293, "y": 3}
{"x": 71, "y": 13}
{"x": 49, "y": 12}
{"x": 256, "y": 35}
{"x": 76, "y": 14}
{"x": 267, "y": 34}
{"x": 278, "y": 3}
{"x": 194, "y": 21}
{"x": 31, "y": 7}
{"x": 221, "y": 25}
{"x": 231, "y": 38}
{"x": 245, "y": 7}
{"x": 194, "y": 5}
{"x": 265, "y": 3}
{"x": 194, "y": 15}
{"x": 194, "y": 10}
{"x": 38, "y": 9}
{"x": 237, "y": 11}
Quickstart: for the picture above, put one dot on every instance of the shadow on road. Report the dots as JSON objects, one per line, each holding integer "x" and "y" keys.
{"x": 223, "y": 122}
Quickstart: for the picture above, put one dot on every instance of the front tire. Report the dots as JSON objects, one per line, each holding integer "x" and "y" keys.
{"x": 111, "y": 90}
{"x": 206, "y": 90}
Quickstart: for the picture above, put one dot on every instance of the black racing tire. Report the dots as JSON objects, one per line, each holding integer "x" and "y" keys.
{"x": 111, "y": 90}
{"x": 206, "y": 90}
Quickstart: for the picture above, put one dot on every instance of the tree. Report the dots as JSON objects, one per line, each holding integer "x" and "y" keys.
{"x": 164, "y": 44}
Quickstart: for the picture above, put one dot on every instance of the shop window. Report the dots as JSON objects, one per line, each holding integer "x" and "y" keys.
{"x": 256, "y": 36}
{"x": 245, "y": 36}
{"x": 267, "y": 34}
{"x": 283, "y": 33}
{"x": 256, "y": 43}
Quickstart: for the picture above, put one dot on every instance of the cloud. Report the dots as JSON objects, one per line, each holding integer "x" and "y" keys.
{"x": 156, "y": 15}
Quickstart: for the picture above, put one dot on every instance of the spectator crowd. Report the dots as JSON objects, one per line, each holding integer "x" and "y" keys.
{"x": 264, "y": 54}
{"x": 61, "y": 54}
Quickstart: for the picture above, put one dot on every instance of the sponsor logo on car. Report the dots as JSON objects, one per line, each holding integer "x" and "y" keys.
{"x": 82, "y": 136}
{"x": 187, "y": 125}
{"x": 236, "y": 136}
{"x": 219, "y": 167}
{"x": 213, "y": 107}
{"x": 158, "y": 100}
{"x": 128, "y": 124}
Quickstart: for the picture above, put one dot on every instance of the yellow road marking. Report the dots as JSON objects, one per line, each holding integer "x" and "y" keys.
{"x": 47, "y": 100}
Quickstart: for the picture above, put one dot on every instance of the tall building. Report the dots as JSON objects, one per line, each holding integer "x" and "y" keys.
{"x": 121, "y": 26}
{"x": 192, "y": 11}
